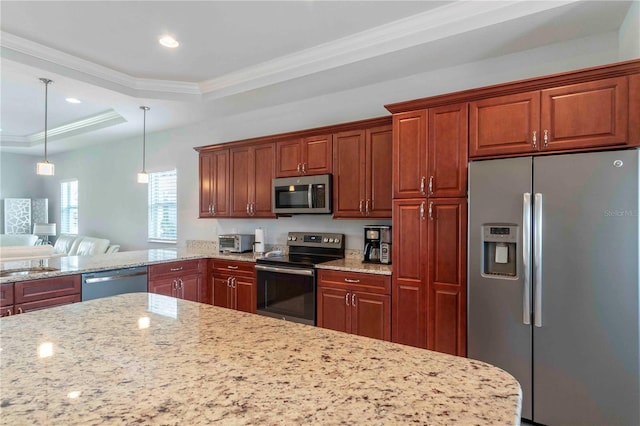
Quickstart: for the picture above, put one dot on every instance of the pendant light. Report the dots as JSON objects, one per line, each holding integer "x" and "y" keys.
{"x": 45, "y": 168}
{"x": 143, "y": 177}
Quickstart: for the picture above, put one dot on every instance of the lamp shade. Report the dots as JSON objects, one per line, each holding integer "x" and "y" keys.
{"x": 46, "y": 229}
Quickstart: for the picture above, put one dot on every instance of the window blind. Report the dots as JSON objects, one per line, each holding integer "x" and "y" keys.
{"x": 163, "y": 206}
{"x": 69, "y": 207}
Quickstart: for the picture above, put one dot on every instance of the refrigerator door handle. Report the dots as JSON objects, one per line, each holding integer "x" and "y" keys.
{"x": 526, "y": 257}
{"x": 537, "y": 258}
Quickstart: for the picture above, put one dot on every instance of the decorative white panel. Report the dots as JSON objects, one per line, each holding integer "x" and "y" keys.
{"x": 17, "y": 216}
{"x": 39, "y": 211}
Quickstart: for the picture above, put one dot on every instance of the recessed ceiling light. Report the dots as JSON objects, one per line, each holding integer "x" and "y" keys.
{"x": 73, "y": 101}
{"x": 168, "y": 41}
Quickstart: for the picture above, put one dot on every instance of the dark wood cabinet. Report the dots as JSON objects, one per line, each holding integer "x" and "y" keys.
{"x": 233, "y": 285}
{"x": 409, "y": 293}
{"x": 447, "y": 276}
{"x": 252, "y": 169}
{"x": 430, "y": 152}
{"x": 573, "y": 117}
{"x": 214, "y": 180}
{"x": 26, "y": 296}
{"x": 304, "y": 156}
{"x": 356, "y": 303}
{"x": 183, "y": 280}
{"x": 429, "y": 278}
{"x": 410, "y": 154}
{"x": 362, "y": 173}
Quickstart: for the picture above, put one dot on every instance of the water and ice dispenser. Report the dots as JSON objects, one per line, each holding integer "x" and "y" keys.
{"x": 499, "y": 246}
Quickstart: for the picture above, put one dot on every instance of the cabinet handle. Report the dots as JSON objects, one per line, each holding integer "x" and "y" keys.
{"x": 181, "y": 282}
{"x": 176, "y": 269}
{"x": 422, "y": 210}
{"x": 546, "y": 138}
{"x": 9, "y": 313}
{"x": 430, "y": 185}
{"x": 229, "y": 282}
{"x": 299, "y": 165}
{"x": 422, "y": 181}
{"x": 175, "y": 284}
{"x": 233, "y": 282}
{"x": 20, "y": 311}
{"x": 534, "y": 139}
{"x": 431, "y": 210}
{"x": 346, "y": 299}
{"x": 304, "y": 168}
{"x": 360, "y": 206}
{"x": 253, "y": 209}
{"x": 353, "y": 299}
{"x": 213, "y": 209}
{"x": 232, "y": 267}
{"x": 247, "y": 208}
{"x": 366, "y": 208}
{"x": 209, "y": 208}
{"x": 348, "y": 280}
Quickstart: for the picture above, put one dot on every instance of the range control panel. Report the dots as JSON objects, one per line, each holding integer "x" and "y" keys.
{"x": 307, "y": 239}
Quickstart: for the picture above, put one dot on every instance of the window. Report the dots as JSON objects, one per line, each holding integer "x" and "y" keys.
{"x": 163, "y": 207}
{"x": 69, "y": 207}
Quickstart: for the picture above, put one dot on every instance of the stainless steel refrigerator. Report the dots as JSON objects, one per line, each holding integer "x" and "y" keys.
{"x": 553, "y": 282}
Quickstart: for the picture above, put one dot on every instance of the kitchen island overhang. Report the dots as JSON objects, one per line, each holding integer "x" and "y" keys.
{"x": 154, "y": 359}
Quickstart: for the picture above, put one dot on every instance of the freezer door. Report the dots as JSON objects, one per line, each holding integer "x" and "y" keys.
{"x": 497, "y": 332}
{"x": 586, "y": 349}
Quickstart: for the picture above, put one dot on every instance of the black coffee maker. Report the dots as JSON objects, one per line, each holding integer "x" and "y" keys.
{"x": 377, "y": 244}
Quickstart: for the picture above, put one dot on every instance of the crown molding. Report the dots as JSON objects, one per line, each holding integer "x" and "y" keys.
{"x": 435, "y": 24}
{"x": 39, "y": 51}
{"x": 87, "y": 124}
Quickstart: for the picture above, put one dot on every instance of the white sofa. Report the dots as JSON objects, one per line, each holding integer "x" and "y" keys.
{"x": 12, "y": 240}
{"x": 79, "y": 245}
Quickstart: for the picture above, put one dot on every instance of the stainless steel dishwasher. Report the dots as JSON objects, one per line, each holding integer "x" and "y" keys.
{"x": 96, "y": 285}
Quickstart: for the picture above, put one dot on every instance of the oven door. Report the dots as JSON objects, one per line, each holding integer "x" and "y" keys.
{"x": 287, "y": 293}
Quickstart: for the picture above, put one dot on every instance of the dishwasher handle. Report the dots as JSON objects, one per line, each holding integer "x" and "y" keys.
{"x": 113, "y": 277}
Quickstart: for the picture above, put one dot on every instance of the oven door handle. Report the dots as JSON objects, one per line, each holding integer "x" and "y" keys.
{"x": 305, "y": 272}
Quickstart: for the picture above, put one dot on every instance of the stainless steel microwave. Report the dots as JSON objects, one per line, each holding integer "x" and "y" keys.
{"x": 302, "y": 195}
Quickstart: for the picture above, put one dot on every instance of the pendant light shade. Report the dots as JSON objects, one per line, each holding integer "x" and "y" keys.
{"x": 45, "y": 168}
{"x": 143, "y": 177}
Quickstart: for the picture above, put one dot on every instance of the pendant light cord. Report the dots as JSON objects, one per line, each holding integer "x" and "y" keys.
{"x": 46, "y": 82}
{"x": 144, "y": 137}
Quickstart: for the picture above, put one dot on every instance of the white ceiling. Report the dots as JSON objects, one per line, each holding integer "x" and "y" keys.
{"x": 106, "y": 54}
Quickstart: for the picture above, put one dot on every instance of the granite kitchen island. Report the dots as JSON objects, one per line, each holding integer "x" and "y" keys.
{"x": 149, "y": 359}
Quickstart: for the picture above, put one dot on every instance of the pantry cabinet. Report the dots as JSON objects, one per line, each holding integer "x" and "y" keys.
{"x": 214, "y": 178}
{"x": 356, "y": 303}
{"x": 233, "y": 285}
{"x": 183, "y": 280}
{"x": 578, "y": 116}
{"x": 362, "y": 173}
{"x": 429, "y": 278}
{"x": 304, "y": 156}
{"x": 252, "y": 168}
{"x": 430, "y": 152}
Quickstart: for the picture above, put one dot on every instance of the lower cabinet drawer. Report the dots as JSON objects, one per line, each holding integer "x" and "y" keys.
{"x": 177, "y": 268}
{"x": 47, "y": 288}
{"x": 21, "y": 308}
{"x": 374, "y": 283}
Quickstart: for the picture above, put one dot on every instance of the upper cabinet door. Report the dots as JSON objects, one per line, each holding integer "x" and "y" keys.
{"x": 410, "y": 154}
{"x": 289, "y": 158}
{"x": 504, "y": 125}
{"x": 585, "y": 115}
{"x": 263, "y": 168}
{"x": 378, "y": 149}
{"x": 448, "y": 146}
{"x": 206, "y": 182}
{"x": 317, "y": 155}
{"x": 241, "y": 173}
{"x": 349, "y": 174}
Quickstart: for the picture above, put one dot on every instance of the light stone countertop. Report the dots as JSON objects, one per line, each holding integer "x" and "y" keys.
{"x": 150, "y": 359}
{"x": 356, "y": 265}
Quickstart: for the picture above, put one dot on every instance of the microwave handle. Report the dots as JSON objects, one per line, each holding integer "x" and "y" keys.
{"x": 309, "y": 196}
